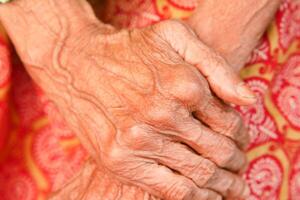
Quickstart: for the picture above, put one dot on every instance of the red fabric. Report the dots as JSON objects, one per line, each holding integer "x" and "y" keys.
{"x": 38, "y": 153}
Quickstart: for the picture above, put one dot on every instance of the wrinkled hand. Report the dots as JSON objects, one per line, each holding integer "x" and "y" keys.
{"x": 233, "y": 28}
{"x": 93, "y": 183}
{"x": 131, "y": 97}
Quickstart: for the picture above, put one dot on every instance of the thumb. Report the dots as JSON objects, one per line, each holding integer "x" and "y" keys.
{"x": 222, "y": 78}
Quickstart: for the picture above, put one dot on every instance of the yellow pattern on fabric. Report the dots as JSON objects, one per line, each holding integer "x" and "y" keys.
{"x": 165, "y": 9}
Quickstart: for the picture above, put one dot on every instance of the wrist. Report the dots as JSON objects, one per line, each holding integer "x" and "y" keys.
{"x": 35, "y": 27}
{"x": 233, "y": 27}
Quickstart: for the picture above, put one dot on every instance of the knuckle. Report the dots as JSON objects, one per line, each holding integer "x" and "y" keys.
{"x": 235, "y": 129}
{"x": 203, "y": 171}
{"x": 138, "y": 137}
{"x": 136, "y": 133}
{"x": 181, "y": 190}
{"x": 192, "y": 89}
{"x": 114, "y": 157}
{"x": 234, "y": 124}
{"x": 246, "y": 139}
{"x": 159, "y": 115}
{"x": 234, "y": 159}
{"x": 207, "y": 103}
{"x": 229, "y": 150}
{"x": 188, "y": 90}
{"x": 207, "y": 106}
{"x": 185, "y": 84}
{"x": 190, "y": 194}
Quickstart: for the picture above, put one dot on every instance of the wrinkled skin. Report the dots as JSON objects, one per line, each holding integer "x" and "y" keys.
{"x": 233, "y": 28}
{"x": 131, "y": 96}
{"x": 93, "y": 183}
{"x": 134, "y": 114}
{"x": 235, "y": 47}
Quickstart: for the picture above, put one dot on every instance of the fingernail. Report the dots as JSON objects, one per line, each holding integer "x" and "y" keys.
{"x": 245, "y": 92}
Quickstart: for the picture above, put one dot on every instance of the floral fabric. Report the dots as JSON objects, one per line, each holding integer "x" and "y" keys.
{"x": 38, "y": 153}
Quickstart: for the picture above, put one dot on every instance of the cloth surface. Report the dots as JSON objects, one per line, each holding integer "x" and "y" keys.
{"x": 38, "y": 153}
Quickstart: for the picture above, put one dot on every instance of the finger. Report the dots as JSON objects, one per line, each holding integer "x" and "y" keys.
{"x": 222, "y": 78}
{"x": 218, "y": 148}
{"x": 235, "y": 188}
{"x": 222, "y": 119}
{"x": 193, "y": 92}
{"x": 165, "y": 184}
{"x": 203, "y": 172}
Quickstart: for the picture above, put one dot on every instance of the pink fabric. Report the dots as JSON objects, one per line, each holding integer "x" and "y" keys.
{"x": 39, "y": 153}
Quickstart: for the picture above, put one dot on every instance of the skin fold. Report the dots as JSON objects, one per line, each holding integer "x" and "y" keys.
{"x": 233, "y": 28}
{"x": 131, "y": 97}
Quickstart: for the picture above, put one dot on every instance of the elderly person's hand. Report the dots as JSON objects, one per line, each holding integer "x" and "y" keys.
{"x": 233, "y": 27}
{"x": 131, "y": 96}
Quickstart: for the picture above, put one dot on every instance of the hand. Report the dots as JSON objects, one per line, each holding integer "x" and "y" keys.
{"x": 131, "y": 97}
{"x": 232, "y": 27}
{"x": 93, "y": 183}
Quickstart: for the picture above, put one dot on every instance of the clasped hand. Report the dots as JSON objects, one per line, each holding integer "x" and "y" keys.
{"x": 145, "y": 104}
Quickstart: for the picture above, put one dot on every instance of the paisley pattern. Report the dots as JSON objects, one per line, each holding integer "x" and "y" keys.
{"x": 258, "y": 120}
{"x": 264, "y": 176}
{"x": 18, "y": 184}
{"x": 261, "y": 53}
{"x": 289, "y": 19}
{"x": 295, "y": 178}
{"x": 39, "y": 153}
{"x": 51, "y": 157}
{"x": 183, "y": 4}
{"x": 286, "y": 90}
{"x": 131, "y": 14}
